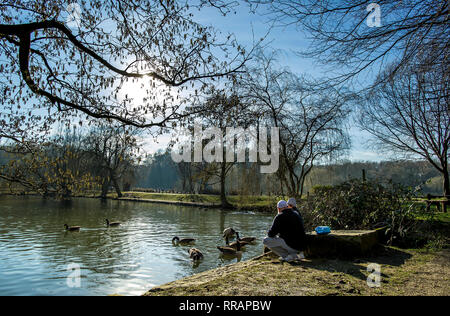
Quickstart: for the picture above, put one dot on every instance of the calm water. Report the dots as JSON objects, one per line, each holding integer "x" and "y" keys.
{"x": 35, "y": 251}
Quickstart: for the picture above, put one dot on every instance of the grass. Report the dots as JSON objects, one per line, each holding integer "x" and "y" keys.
{"x": 403, "y": 272}
{"x": 437, "y": 216}
{"x": 239, "y": 202}
{"x": 200, "y": 198}
{"x": 248, "y": 203}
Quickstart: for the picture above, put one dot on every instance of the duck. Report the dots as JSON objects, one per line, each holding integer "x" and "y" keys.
{"x": 72, "y": 228}
{"x": 228, "y": 250}
{"x": 195, "y": 254}
{"x": 177, "y": 240}
{"x": 229, "y": 232}
{"x": 114, "y": 224}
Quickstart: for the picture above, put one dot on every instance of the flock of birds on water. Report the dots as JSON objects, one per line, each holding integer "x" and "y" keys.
{"x": 232, "y": 249}
{"x": 195, "y": 254}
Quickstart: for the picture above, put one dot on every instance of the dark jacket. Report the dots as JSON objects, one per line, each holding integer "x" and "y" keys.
{"x": 289, "y": 226}
{"x": 301, "y": 217}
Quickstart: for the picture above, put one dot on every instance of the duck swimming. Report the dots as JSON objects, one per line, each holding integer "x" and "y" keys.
{"x": 195, "y": 254}
{"x": 248, "y": 240}
{"x": 184, "y": 241}
{"x": 228, "y": 250}
{"x": 229, "y": 232}
{"x": 241, "y": 242}
{"x": 72, "y": 228}
{"x": 113, "y": 224}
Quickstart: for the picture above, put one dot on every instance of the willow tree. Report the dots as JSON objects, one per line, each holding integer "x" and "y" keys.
{"x": 73, "y": 62}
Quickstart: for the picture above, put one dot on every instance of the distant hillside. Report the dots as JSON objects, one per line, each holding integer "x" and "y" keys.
{"x": 408, "y": 173}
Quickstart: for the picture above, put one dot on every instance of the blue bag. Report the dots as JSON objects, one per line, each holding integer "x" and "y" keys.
{"x": 323, "y": 230}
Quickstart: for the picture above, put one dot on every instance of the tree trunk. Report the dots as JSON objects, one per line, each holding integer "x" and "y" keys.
{"x": 223, "y": 196}
{"x": 446, "y": 188}
{"x": 191, "y": 184}
{"x": 117, "y": 187}
{"x": 105, "y": 188}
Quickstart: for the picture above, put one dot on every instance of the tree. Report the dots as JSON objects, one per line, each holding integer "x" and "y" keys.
{"x": 57, "y": 167}
{"x": 342, "y": 38}
{"x": 409, "y": 114}
{"x": 186, "y": 175}
{"x": 114, "y": 151}
{"x": 54, "y": 70}
{"x": 223, "y": 111}
{"x": 310, "y": 117}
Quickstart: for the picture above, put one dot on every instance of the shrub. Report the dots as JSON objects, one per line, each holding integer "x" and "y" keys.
{"x": 360, "y": 205}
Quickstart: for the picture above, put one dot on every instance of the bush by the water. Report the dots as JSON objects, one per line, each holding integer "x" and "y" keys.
{"x": 360, "y": 205}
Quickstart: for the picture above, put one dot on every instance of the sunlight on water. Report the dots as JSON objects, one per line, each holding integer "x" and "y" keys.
{"x": 35, "y": 250}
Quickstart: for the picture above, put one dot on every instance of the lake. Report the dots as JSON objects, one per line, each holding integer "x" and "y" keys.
{"x": 36, "y": 253}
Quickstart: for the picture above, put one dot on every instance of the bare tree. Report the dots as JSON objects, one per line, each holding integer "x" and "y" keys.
{"x": 114, "y": 151}
{"x": 186, "y": 175}
{"x": 223, "y": 111}
{"x": 53, "y": 70}
{"x": 342, "y": 38}
{"x": 410, "y": 113}
{"x": 57, "y": 167}
{"x": 310, "y": 117}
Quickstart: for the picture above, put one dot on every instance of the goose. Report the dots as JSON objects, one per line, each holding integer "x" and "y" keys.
{"x": 114, "y": 224}
{"x": 246, "y": 239}
{"x": 195, "y": 254}
{"x": 177, "y": 240}
{"x": 227, "y": 250}
{"x": 229, "y": 232}
{"x": 242, "y": 243}
{"x": 72, "y": 229}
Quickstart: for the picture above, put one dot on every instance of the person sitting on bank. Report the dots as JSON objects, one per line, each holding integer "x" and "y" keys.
{"x": 286, "y": 236}
{"x": 292, "y": 203}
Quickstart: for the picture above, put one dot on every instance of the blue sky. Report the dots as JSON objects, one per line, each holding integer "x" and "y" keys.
{"x": 289, "y": 40}
{"x": 247, "y": 27}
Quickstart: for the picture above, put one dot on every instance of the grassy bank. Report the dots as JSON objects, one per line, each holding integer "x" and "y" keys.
{"x": 244, "y": 203}
{"x": 403, "y": 272}
{"x": 247, "y": 203}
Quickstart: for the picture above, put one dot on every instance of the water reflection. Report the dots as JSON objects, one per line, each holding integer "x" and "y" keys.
{"x": 35, "y": 250}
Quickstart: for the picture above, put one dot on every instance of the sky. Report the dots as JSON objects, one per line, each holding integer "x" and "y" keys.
{"x": 247, "y": 28}
{"x": 289, "y": 40}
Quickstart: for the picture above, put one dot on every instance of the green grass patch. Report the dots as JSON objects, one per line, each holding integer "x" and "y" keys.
{"x": 247, "y": 203}
{"x": 436, "y": 216}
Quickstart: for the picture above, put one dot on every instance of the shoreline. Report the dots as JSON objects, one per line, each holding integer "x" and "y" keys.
{"x": 133, "y": 197}
{"x": 184, "y": 200}
{"x": 258, "y": 209}
{"x": 403, "y": 272}
{"x": 180, "y": 203}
